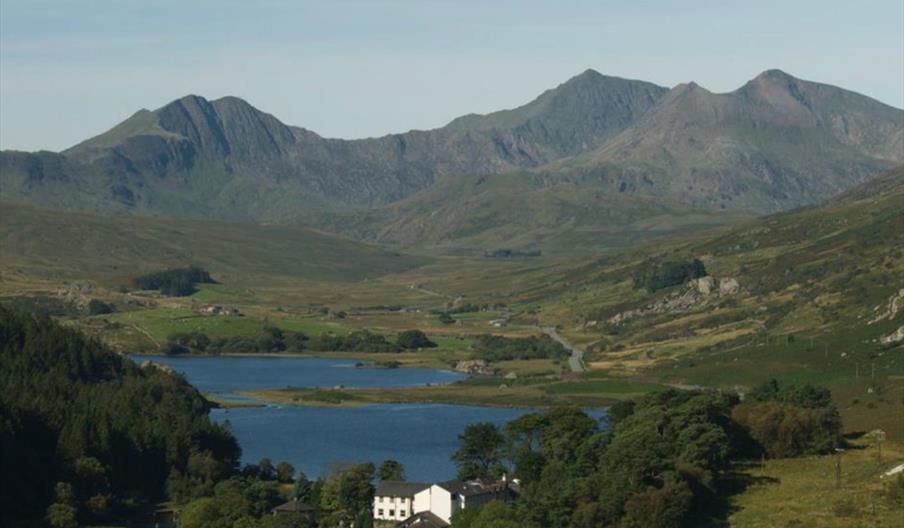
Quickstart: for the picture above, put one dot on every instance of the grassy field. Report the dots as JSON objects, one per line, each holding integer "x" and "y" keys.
{"x": 540, "y": 392}
{"x": 801, "y": 492}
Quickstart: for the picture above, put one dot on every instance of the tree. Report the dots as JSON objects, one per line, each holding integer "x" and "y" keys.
{"x": 62, "y": 513}
{"x": 303, "y": 488}
{"x": 262, "y": 496}
{"x": 98, "y": 421}
{"x": 568, "y": 428}
{"x": 265, "y": 469}
{"x": 655, "y": 276}
{"x": 480, "y": 450}
{"x": 221, "y": 511}
{"x": 494, "y": 514}
{"x": 347, "y": 495}
{"x": 391, "y": 470}
{"x": 790, "y": 420}
{"x": 664, "y": 507}
{"x": 411, "y": 339}
{"x": 285, "y": 472}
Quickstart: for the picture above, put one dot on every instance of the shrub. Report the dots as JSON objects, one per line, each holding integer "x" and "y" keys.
{"x": 98, "y": 307}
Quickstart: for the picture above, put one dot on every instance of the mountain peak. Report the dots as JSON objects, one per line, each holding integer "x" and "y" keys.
{"x": 775, "y": 75}
{"x": 589, "y": 73}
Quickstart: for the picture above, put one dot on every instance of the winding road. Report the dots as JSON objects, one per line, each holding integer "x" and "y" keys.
{"x": 576, "y": 360}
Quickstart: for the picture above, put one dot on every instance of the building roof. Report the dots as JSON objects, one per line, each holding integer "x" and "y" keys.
{"x": 293, "y": 506}
{"x": 399, "y": 488}
{"x": 469, "y": 488}
{"x": 424, "y": 519}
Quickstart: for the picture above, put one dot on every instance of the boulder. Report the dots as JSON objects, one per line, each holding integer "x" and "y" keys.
{"x": 728, "y": 286}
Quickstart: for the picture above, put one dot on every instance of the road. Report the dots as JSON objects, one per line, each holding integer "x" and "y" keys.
{"x": 576, "y": 360}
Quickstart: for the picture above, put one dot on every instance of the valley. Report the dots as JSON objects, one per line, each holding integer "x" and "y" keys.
{"x": 635, "y": 294}
{"x": 795, "y": 297}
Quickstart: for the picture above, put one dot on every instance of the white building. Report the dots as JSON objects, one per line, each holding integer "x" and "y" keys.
{"x": 418, "y": 505}
{"x": 393, "y": 500}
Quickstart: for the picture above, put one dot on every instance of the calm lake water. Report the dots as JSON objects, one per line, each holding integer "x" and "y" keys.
{"x": 421, "y": 436}
{"x": 225, "y": 374}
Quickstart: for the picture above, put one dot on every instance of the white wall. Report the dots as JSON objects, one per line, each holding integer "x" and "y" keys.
{"x": 393, "y": 508}
{"x": 441, "y": 503}
{"x": 422, "y": 500}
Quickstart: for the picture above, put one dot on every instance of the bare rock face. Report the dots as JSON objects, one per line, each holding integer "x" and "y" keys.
{"x": 895, "y": 337}
{"x": 728, "y": 286}
{"x": 696, "y": 293}
{"x": 890, "y": 309}
{"x": 704, "y": 285}
{"x": 475, "y": 366}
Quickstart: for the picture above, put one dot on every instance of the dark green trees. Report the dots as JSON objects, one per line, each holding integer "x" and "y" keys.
{"x": 788, "y": 420}
{"x": 73, "y": 412}
{"x": 653, "y": 276}
{"x": 501, "y": 348}
{"x": 391, "y": 470}
{"x": 177, "y": 282}
{"x": 411, "y": 339}
{"x": 480, "y": 451}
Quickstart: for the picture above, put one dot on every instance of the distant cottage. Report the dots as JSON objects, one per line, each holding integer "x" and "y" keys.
{"x": 293, "y": 506}
{"x": 422, "y": 505}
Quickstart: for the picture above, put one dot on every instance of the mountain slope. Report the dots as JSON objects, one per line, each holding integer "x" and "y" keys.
{"x": 42, "y": 243}
{"x": 597, "y": 161}
{"x": 524, "y": 211}
{"x": 832, "y": 273}
{"x": 777, "y": 142}
{"x": 195, "y": 157}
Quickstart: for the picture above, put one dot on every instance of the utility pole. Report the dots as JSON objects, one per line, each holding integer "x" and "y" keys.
{"x": 838, "y": 467}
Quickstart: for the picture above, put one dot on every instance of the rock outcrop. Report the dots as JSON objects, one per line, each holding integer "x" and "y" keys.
{"x": 890, "y": 309}
{"x": 895, "y": 337}
{"x": 695, "y": 294}
{"x": 475, "y": 366}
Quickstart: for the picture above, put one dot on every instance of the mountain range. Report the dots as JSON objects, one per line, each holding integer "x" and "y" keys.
{"x": 609, "y": 158}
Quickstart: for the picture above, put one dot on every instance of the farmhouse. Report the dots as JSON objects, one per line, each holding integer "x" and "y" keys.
{"x": 419, "y": 505}
{"x": 394, "y": 500}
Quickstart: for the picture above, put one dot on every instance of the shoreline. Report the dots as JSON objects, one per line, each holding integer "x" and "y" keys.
{"x": 371, "y": 357}
{"x": 449, "y": 394}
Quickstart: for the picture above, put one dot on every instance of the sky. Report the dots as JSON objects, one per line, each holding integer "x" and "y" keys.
{"x": 358, "y": 68}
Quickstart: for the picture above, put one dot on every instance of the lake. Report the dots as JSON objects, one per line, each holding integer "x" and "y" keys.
{"x": 221, "y": 375}
{"x": 420, "y": 436}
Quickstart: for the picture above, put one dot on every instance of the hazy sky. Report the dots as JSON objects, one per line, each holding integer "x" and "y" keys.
{"x": 70, "y": 70}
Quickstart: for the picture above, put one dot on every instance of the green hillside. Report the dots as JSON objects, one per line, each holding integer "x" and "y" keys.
{"x": 523, "y": 210}
{"x": 808, "y": 294}
{"x": 69, "y": 245}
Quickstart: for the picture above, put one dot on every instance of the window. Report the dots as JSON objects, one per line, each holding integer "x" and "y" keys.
{"x": 392, "y": 513}
{"x": 402, "y": 513}
{"x": 380, "y": 512}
